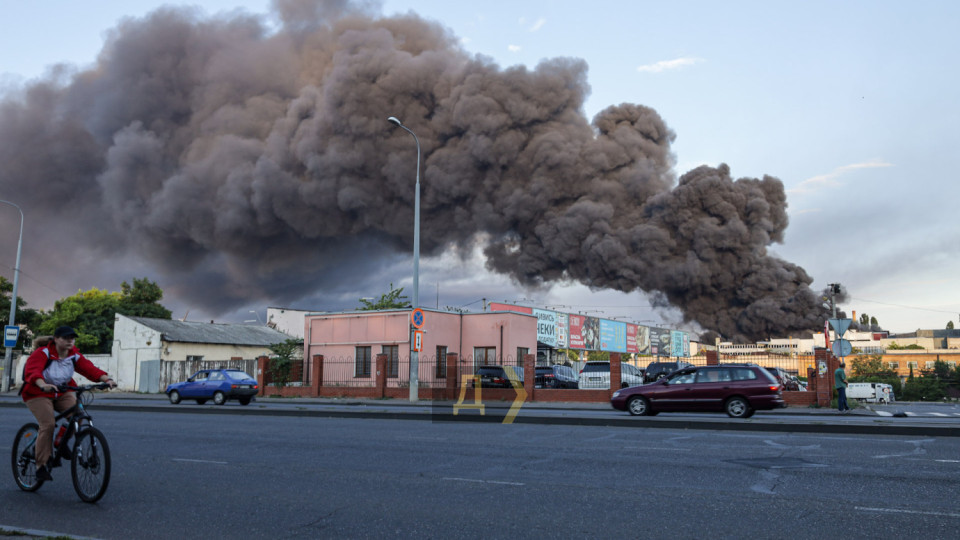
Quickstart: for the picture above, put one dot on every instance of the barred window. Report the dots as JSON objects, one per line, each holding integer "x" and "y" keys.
{"x": 393, "y": 359}
{"x": 484, "y": 356}
{"x": 362, "y": 367}
{"x": 441, "y": 370}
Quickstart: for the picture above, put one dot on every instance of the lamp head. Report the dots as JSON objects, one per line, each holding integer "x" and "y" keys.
{"x": 393, "y": 120}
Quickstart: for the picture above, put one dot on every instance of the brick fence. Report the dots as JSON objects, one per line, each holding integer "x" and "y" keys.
{"x": 461, "y": 388}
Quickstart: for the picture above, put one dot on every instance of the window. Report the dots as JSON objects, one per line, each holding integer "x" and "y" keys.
{"x": 194, "y": 358}
{"x": 952, "y": 365}
{"x": 362, "y": 367}
{"x": 742, "y": 374}
{"x": 684, "y": 378}
{"x": 930, "y": 365}
{"x": 216, "y": 376}
{"x": 913, "y": 365}
{"x": 441, "y": 370}
{"x": 393, "y": 359}
{"x": 522, "y": 352}
{"x": 893, "y": 365}
{"x": 484, "y": 356}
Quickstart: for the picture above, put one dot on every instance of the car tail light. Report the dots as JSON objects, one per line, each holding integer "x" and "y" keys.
{"x": 234, "y": 386}
{"x": 774, "y": 387}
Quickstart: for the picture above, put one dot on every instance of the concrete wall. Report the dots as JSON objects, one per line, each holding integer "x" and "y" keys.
{"x": 288, "y": 321}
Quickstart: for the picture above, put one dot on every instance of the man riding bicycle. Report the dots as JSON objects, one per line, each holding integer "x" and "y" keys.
{"x": 49, "y": 366}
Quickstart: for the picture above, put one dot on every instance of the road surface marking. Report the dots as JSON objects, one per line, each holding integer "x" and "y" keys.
{"x": 485, "y": 481}
{"x": 200, "y": 461}
{"x": 901, "y": 511}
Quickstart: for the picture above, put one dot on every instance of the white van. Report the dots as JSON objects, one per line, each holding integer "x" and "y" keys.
{"x": 870, "y": 392}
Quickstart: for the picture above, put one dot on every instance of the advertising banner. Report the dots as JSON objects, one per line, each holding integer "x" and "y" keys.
{"x": 576, "y": 331}
{"x": 591, "y": 333}
{"x": 546, "y": 327}
{"x": 631, "y": 338}
{"x": 643, "y": 340}
{"x": 676, "y": 343}
{"x": 562, "y": 333}
{"x": 655, "y": 341}
{"x": 496, "y": 306}
{"x": 613, "y": 336}
{"x": 686, "y": 345}
{"x": 665, "y": 342}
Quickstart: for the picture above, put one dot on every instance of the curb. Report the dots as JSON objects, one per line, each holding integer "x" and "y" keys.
{"x": 880, "y": 426}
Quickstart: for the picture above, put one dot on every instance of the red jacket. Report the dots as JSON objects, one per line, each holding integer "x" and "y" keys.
{"x": 37, "y": 362}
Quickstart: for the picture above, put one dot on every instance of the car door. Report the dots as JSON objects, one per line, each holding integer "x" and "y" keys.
{"x": 710, "y": 388}
{"x": 674, "y": 393}
{"x": 216, "y": 381}
{"x": 194, "y": 385}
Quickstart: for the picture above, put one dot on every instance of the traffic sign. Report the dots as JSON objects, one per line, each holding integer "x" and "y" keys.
{"x": 416, "y": 318}
{"x": 10, "y": 335}
{"x": 418, "y": 340}
{"x": 840, "y": 326}
{"x": 841, "y": 348}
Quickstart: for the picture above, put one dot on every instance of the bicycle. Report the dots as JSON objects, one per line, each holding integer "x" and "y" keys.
{"x": 89, "y": 455}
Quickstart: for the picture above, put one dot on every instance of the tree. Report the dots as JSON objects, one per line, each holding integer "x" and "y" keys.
{"x": 23, "y": 316}
{"x": 90, "y": 313}
{"x": 286, "y": 352}
{"x": 142, "y": 300}
{"x": 391, "y": 300}
{"x": 949, "y": 325}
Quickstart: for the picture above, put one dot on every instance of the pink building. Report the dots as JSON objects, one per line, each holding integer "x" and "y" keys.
{"x": 349, "y": 343}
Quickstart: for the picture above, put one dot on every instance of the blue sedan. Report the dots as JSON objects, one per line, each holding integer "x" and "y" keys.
{"x": 217, "y": 384}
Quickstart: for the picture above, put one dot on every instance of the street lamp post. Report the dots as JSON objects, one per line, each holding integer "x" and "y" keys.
{"x": 8, "y": 357}
{"x": 414, "y": 355}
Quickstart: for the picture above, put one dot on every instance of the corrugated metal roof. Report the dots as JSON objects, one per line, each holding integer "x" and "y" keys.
{"x": 220, "y": 333}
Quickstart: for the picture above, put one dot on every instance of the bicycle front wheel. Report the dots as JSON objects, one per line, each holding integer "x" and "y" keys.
{"x": 24, "y": 463}
{"x": 90, "y": 466}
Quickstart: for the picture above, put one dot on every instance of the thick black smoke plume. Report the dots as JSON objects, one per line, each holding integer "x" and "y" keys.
{"x": 248, "y": 163}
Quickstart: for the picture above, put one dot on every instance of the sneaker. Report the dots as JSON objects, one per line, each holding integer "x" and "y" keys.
{"x": 66, "y": 454}
{"x": 43, "y": 473}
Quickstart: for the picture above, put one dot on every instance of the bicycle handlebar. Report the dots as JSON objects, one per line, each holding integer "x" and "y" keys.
{"x": 83, "y": 387}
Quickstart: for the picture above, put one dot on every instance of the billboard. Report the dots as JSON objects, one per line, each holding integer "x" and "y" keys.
{"x": 562, "y": 333}
{"x": 613, "y": 336}
{"x": 546, "y": 327}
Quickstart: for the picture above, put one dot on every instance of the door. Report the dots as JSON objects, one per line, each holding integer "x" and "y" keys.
{"x": 677, "y": 394}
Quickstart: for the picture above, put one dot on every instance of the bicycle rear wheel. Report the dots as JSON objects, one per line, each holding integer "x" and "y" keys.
{"x": 22, "y": 456}
{"x": 90, "y": 466}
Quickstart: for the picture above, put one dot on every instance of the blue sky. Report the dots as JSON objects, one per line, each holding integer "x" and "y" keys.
{"x": 851, "y": 104}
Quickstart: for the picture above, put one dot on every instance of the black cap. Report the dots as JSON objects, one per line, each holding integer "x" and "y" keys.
{"x": 64, "y": 331}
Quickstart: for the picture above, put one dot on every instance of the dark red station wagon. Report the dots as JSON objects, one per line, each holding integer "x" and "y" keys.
{"x": 737, "y": 390}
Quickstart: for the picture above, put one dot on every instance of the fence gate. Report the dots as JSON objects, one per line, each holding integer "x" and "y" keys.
{"x": 150, "y": 376}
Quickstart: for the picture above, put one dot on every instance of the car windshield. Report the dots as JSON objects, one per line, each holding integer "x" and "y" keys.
{"x": 598, "y": 366}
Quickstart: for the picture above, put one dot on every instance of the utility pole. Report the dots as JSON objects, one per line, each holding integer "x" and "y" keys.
{"x": 834, "y": 290}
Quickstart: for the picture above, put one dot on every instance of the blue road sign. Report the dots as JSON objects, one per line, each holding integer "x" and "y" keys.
{"x": 10, "y": 335}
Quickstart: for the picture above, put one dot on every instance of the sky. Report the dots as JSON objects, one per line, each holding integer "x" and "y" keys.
{"x": 850, "y": 104}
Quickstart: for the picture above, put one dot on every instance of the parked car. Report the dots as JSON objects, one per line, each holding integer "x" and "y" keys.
{"x": 737, "y": 390}
{"x": 496, "y": 376}
{"x": 219, "y": 385}
{"x": 556, "y": 376}
{"x": 788, "y": 381}
{"x": 658, "y": 370}
{"x": 596, "y": 374}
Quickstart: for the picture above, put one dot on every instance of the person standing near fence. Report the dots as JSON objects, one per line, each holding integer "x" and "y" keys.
{"x": 840, "y": 382}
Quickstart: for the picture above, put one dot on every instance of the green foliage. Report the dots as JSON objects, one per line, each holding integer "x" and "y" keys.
{"x": 598, "y": 356}
{"x": 392, "y": 300}
{"x": 142, "y": 300}
{"x": 913, "y": 346}
{"x": 92, "y": 313}
{"x": 949, "y": 325}
{"x": 285, "y": 353}
{"x": 871, "y": 369}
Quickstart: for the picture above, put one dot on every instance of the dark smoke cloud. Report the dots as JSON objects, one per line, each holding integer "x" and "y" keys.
{"x": 245, "y": 163}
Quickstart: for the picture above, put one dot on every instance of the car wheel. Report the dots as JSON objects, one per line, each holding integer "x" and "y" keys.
{"x": 737, "y": 407}
{"x": 174, "y": 397}
{"x": 201, "y": 401}
{"x": 749, "y": 413}
{"x": 244, "y": 401}
{"x": 219, "y": 398}
{"x": 638, "y": 406}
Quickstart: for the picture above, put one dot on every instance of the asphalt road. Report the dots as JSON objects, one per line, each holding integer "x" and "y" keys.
{"x": 301, "y": 476}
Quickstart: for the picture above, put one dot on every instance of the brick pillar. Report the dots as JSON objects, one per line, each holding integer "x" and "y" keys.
{"x": 713, "y": 358}
{"x": 317, "y": 374}
{"x": 529, "y": 374}
{"x": 453, "y": 375}
{"x": 262, "y": 365}
{"x": 825, "y": 379}
{"x": 381, "y": 375}
{"x": 615, "y": 373}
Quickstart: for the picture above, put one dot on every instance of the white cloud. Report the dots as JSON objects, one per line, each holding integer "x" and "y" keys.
{"x": 513, "y": 48}
{"x": 538, "y": 24}
{"x": 665, "y": 65}
{"x": 830, "y": 179}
